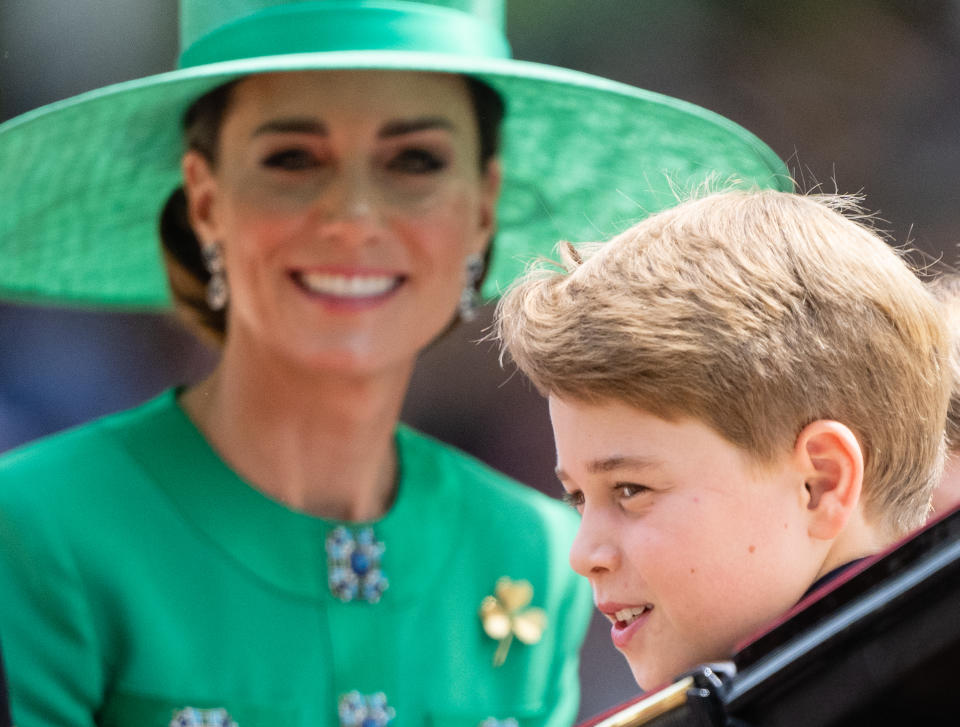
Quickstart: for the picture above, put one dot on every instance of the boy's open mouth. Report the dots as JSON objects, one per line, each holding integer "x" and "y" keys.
{"x": 626, "y": 616}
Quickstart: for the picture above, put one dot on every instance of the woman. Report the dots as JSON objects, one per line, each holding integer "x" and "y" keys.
{"x": 4, "y": 701}
{"x": 270, "y": 546}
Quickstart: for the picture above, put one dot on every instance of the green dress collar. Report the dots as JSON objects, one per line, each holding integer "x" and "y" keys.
{"x": 284, "y": 547}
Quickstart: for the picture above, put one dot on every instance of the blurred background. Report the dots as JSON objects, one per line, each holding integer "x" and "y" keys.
{"x": 855, "y": 95}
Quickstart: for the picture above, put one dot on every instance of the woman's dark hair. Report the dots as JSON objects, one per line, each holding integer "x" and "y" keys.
{"x": 489, "y": 108}
{"x": 186, "y": 272}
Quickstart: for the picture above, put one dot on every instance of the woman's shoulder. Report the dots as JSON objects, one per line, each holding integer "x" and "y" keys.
{"x": 459, "y": 475}
{"x": 49, "y": 468}
{"x": 500, "y": 526}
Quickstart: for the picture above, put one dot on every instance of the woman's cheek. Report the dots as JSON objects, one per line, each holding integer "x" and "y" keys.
{"x": 266, "y": 220}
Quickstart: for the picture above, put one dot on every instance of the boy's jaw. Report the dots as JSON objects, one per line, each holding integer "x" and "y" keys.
{"x": 626, "y": 620}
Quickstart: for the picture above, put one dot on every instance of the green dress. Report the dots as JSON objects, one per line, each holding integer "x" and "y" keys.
{"x": 143, "y": 583}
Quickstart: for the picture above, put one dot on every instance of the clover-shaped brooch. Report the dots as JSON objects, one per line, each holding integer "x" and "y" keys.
{"x": 508, "y": 613}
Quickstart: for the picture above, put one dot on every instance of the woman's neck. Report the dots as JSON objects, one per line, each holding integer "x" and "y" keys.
{"x": 319, "y": 443}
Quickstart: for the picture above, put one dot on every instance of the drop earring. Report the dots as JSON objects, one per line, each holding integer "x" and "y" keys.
{"x": 470, "y": 297}
{"x": 217, "y": 292}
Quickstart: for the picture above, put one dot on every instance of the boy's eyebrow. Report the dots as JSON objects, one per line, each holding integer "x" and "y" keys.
{"x": 613, "y": 463}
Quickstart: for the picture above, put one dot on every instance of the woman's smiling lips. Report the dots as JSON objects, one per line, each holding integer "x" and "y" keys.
{"x": 626, "y": 620}
{"x": 349, "y": 289}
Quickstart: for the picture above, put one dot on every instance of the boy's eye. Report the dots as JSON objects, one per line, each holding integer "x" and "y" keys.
{"x": 630, "y": 489}
{"x": 417, "y": 161}
{"x": 291, "y": 160}
{"x": 573, "y": 499}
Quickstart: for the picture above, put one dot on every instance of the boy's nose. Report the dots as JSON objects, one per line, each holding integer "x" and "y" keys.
{"x": 594, "y": 550}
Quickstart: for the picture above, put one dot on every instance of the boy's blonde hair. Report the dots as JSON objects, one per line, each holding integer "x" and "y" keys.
{"x": 756, "y": 313}
{"x": 946, "y": 289}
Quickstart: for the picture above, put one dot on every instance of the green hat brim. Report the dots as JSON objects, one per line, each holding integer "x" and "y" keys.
{"x": 84, "y": 179}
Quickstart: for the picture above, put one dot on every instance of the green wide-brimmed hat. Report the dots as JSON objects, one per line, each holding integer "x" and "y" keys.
{"x": 82, "y": 181}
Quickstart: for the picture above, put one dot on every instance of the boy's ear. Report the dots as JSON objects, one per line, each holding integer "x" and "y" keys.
{"x": 832, "y": 462}
{"x": 199, "y": 185}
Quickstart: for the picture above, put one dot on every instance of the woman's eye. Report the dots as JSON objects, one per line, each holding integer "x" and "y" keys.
{"x": 417, "y": 161}
{"x": 291, "y": 160}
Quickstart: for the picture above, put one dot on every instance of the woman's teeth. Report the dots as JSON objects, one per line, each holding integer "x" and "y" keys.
{"x": 627, "y": 616}
{"x": 348, "y": 286}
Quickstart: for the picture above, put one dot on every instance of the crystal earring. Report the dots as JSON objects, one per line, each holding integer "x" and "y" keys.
{"x": 470, "y": 297}
{"x": 217, "y": 291}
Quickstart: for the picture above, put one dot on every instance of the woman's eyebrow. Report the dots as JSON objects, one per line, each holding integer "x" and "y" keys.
{"x": 291, "y": 126}
{"x": 314, "y": 126}
{"x": 409, "y": 126}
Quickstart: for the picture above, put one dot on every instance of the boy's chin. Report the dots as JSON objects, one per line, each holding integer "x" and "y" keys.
{"x": 651, "y": 676}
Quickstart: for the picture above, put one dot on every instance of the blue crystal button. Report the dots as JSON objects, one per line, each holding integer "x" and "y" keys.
{"x": 360, "y": 563}
{"x": 353, "y": 566}
{"x": 190, "y": 717}
{"x": 364, "y": 710}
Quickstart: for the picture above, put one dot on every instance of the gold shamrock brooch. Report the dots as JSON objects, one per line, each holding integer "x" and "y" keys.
{"x": 508, "y": 613}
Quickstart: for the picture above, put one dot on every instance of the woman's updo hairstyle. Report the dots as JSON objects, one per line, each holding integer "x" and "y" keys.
{"x": 186, "y": 272}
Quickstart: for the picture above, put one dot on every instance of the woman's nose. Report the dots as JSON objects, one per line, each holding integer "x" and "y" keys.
{"x": 594, "y": 550}
{"x": 350, "y": 209}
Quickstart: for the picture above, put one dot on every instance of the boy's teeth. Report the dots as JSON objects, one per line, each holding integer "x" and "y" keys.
{"x": 628, "y": 615}
{"x": 348, "y": 286}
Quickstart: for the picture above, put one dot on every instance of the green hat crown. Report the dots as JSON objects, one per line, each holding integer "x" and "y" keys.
{"x": 84, "y": 179}
{"x": 214, "y": 31}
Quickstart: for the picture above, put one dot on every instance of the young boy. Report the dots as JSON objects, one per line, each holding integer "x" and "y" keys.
{"x": 748, "y": 393}
{"x": 946, "y": 289}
